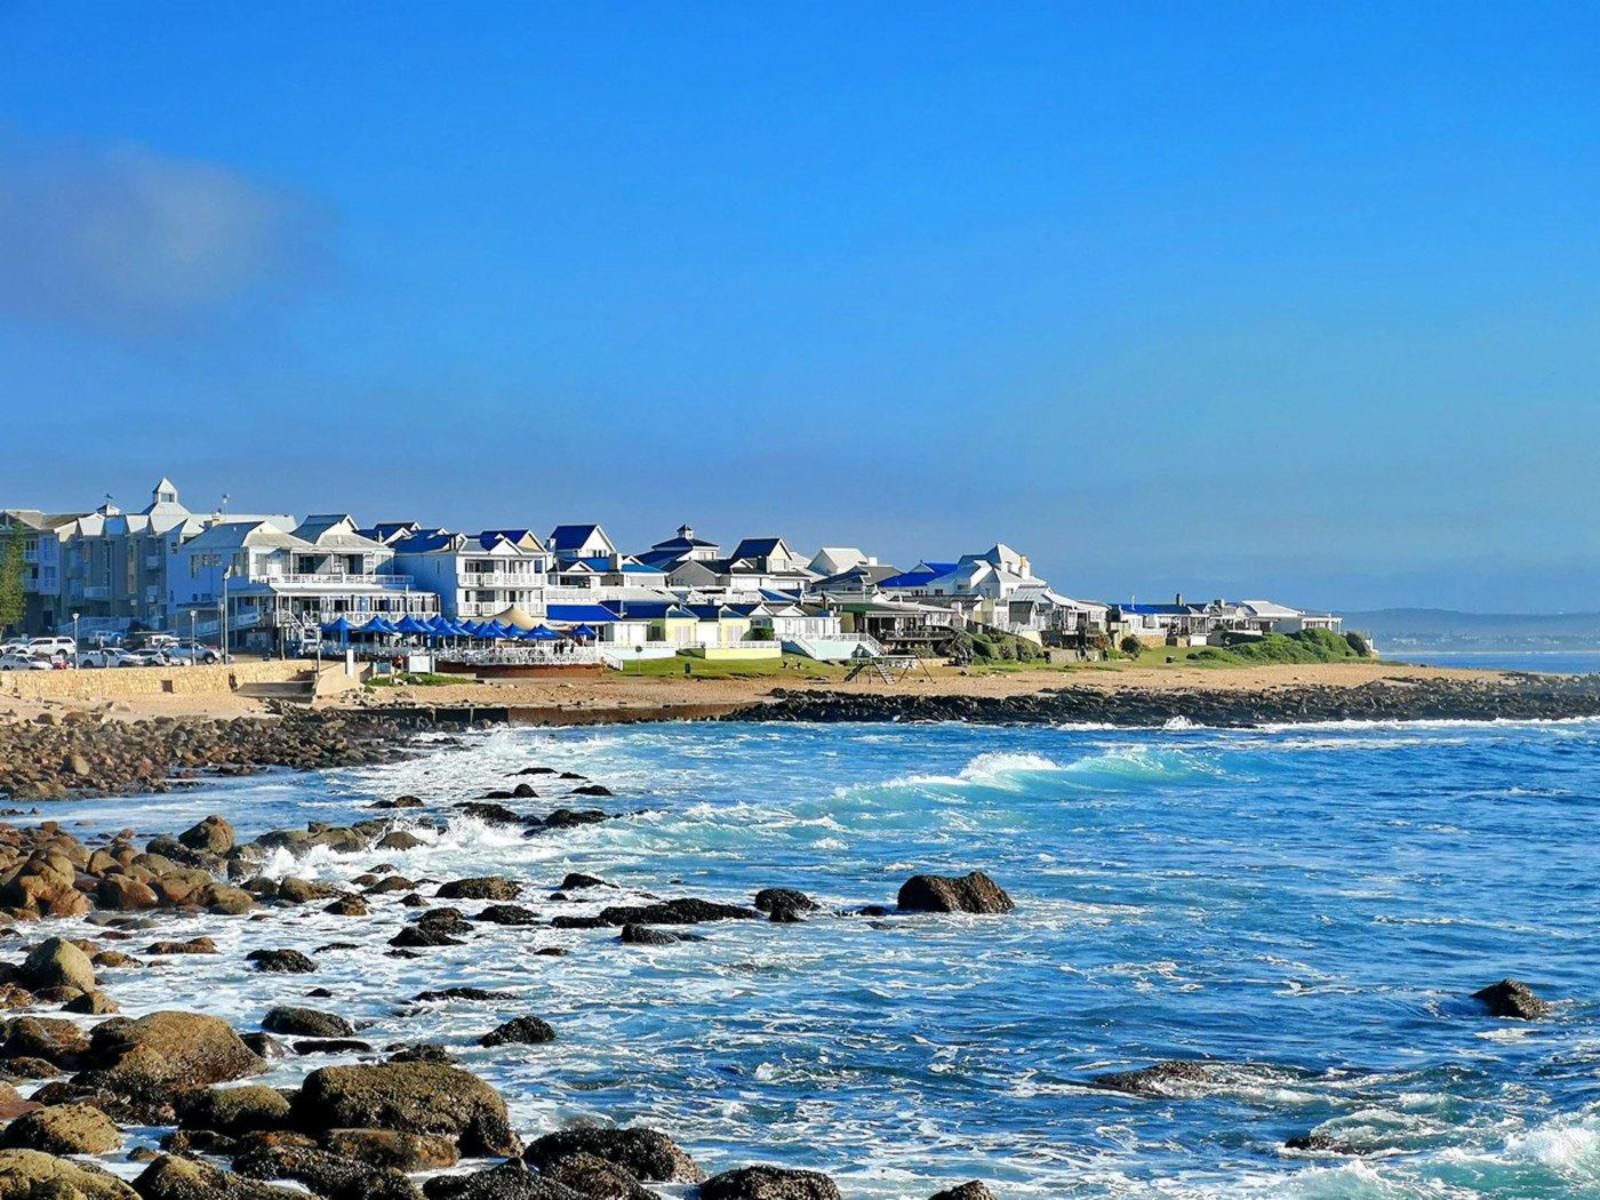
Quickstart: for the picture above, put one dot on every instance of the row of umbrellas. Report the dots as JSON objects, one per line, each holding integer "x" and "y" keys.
{"x": 443, "y": 627}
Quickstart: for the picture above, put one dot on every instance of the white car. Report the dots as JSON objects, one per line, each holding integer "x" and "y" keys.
{"x": 189, "y": 653}
{"x": 54, "y": 647}
{"x": 21, "y": 660}
{"x": 109, "y": 656}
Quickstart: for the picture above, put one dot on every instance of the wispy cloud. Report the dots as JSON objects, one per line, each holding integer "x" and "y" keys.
{"x": 124, "y": 240}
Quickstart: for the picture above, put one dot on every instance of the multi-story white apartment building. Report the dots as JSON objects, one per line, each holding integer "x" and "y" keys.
{"x": 40, "y": 535}
{"x": 477, "y": 575}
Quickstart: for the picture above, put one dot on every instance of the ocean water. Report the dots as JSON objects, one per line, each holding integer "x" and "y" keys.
{"x": 1543, "y": 662}
{"x": 1310, "y": 906}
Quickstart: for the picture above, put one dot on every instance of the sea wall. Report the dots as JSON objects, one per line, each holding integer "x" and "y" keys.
{"x": 120, "y": 683}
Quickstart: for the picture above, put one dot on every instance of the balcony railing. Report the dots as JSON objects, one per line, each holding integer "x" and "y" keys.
{"x": 354, "y": 583}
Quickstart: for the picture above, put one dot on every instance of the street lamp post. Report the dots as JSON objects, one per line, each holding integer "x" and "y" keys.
{"x": 74, "y": 639}
{"x": 226, "y": 575}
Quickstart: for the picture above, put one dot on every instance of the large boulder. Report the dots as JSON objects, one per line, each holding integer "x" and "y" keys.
{"x": 971, "y": 1190}
{"x": 281, "y": 962}
{"x": 393, "y": 1148}
{"x": 166, "y": 1054}
{"x": 1177, "y": 1077}
{"x": 645, "y": 1153}
{"x": 56, "y": 962}
{"x": 125, "y": 893}
{"x": 34, "y": 1175}
{"x": 306, "y": 1022}
{"x": 597, "y": 1179}
{"x": 326, "y": 1174}
{"x": 509, "y": 1181}
{"x": 686, "y": 910}
{"x": 769, "y": 1183}
{"x": 773, "y": 899}
{"x": 487, "y": 887}
{"x": 971, "y": 893}
{"x": 1512, "y": 998}
{"x": 236, "y": 1110}
{"x": 213, "y": 835}
{"x": 53, "y": 1039}
{"x": 411, "y": 1097}
{"x": 173, "y": 1178}
{"x": 527, "y": 1031}
{"x": 63, "y": 1129}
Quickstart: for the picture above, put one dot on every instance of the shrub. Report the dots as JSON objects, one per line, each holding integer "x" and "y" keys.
{"x": 1359, "y": 644}
{"x": 1131, "y": 646}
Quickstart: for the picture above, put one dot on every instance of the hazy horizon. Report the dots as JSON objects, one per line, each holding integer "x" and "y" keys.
{"x": 1247, "y": 301}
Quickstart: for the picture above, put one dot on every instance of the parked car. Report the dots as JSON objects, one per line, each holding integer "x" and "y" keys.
{"x": 109, "y": 656}
{"x": 21, "y": 660}
{"x": 63, "y": 648}
{"x": 152, "y": 656}
{"x": 195, "y": 652}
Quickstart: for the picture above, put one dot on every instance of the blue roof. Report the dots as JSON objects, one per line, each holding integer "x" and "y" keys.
{"x": 489, "y": 537}
{"x": 422, "y": 543}
{"x": 1160, "y": 610}
{"x": 911, "y": 579}
{"x": 570, "y": 537}
{"x": 640, "y": 568}
{"x": 573, "y": 614}
{"x": 647, "y": 610}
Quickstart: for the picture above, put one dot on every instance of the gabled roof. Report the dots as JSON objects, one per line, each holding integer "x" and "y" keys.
{"x": 426, "y": 543}
{"x": 861, "y": 573}
{"x": 573, "y": 537}
{"x": 1270, "y": 610}
{"x": 648, "y": 610}
{"x": 920, "y": 575}
{"x": 233, "y": 535}
{"x": 762, "y": 547}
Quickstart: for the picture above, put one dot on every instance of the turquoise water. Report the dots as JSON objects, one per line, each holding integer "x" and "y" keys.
{"x": 1309, "y": 905}
{"x": 1544, "y": 662}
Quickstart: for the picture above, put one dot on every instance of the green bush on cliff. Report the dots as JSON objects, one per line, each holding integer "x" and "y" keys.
{"x": 1306, "y": 646}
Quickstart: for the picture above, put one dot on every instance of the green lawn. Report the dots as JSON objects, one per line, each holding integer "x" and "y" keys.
{"x": 792, "y": 665}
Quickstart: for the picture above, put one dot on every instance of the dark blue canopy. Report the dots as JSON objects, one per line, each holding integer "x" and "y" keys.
{"x": 376, "y": 625}
{"x": 582, "y": 631}
{"x": 543, "y": 633}
{"x": 410, "y": 625}
{"x": 340, "y": 626}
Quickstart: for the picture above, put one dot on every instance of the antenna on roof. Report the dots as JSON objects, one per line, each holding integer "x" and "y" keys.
{"x": 224, "y": 506}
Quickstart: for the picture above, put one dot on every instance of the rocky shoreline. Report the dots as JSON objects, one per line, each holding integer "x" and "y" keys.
{"x": 377, "y": 1117}
{"x": 84, "y": 752}
{"x": 1511, "y": 697}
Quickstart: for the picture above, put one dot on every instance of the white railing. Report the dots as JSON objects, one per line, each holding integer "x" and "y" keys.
{"x": 379, "y": 583}
{"x": 499, "y": 579}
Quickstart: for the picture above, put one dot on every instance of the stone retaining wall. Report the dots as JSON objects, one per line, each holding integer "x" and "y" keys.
{"x": 119, "y": 683}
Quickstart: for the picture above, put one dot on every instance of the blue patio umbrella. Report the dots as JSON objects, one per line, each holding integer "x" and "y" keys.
{"x": 471, "y": 629}
{"x": 439, "y": 627}
{"x": 410, "y": 626}
{"x": 492, "y": 630}
{"x": 341, "y": 627}
{"x": 376, "y": 625}
{"x": 543, "y": 633}
{"x": 459, "y": 629}
{"x": 583, "y": 632}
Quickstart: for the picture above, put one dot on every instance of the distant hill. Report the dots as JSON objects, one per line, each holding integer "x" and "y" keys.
{"x": 1440, "y": 628}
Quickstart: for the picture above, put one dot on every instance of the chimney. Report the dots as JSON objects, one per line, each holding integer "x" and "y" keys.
{"x": 1178, "y": 600}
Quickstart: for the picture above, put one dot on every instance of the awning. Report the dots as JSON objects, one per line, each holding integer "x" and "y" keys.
{"x": 515, "y": 618}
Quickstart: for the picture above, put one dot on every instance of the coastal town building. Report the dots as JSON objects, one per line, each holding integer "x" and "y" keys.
{"x": 476, "y": 575}
{"x": 41, "y": 536}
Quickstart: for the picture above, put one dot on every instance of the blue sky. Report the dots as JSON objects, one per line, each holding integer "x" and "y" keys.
{"x": 1234, "y": 299}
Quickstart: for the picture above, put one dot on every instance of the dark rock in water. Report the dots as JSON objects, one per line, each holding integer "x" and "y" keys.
{"x": 349, "y": 906}
{"x": 1512, "y": 998}
{"x": 409, "y": 1097}
{"x": 1321, "y": 1142}
{"x": 684, "y": 911}
{"x": 173, "y": 1177}
{"x": 264, "y": 1045}
{"x": 462, "y": 993}
{"x": 526, "y": 1031}
{"x": 591, "y": 1176}
{"x": 487, "y": 887}
{"x": 424, "y": 935}
{"x": 429, "y": 1052}
{"x": 524, "y": 791}
{"x": 400, "y": 839}
{"x": 971, "y": 1190}
{"x": 490, "y": 814}
{"x": 645, "y": 1154}
{"x": 62, "y": 1129}
{"x": 571, "y": 775}
{"x": 497, "y": 794}
{"x": 551, "y": 952}
{"x": 398, "y": 802}
{"x": 783, "y": 914}
{"x": 592, "y": 789}
{"x": 235, "y": 1110}
{"x": 876, "y": 910}
{"x": 508, "y": 914}
{"x": 446, "y": 920}
{"x": 972, "y": 893}
{"x": 195, "y": 945}
{"x": 643, "y": 935}
{"x": 414, "y": 901}
{"x": 394, "y": 883}
{"x": 326, "y": 1174}
{"x": 577, "y": 881}
{"x": 306, "y": 1022}
{"x": 571, "y": 818}
{"x": 91, "y": 1003}
{"x": 332, "y": 1046}
{"x": 282, "y": 962}
{"x": 509, "y": 1181}
{"x": 1176, "y": 1078}
{"x": 769, "y": 898}
{"x": 537, "y": 771}
{"x": 577, "y": 923}
{"x": 769, "y": 1183}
